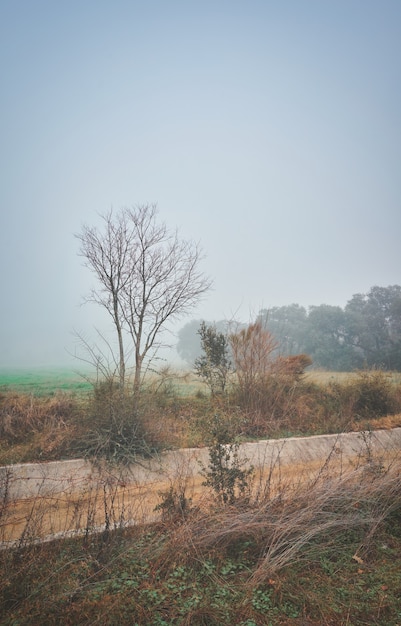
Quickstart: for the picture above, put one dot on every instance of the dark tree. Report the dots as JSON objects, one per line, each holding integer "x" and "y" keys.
{"x": 327, "y": 340}
{"x": 189, "y": 343}
{"x": 288, "y": 326}
{"x": 374, "y": 326}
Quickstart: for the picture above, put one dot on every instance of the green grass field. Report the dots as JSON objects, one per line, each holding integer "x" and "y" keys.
{"x": 43, "y": 381}
{"x": 48, "y": 381}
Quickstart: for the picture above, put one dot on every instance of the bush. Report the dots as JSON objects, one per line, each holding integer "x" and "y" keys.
{"x": 274, "y": 395}
{"x": 114, "y": 428}
{"x": 226, "y": 473}
{"x": 214, "y": 365}
{"x": 369, "y": 395}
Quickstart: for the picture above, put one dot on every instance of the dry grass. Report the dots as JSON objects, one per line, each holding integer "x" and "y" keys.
{"x": 312, "y": 544}
{"x": 204, "y": 563}
{"x": 323, "y": 377}
{"x": 67, "y": 426}
{"x": 24, "y": 415}
{"x": 41, "y": 428}
{"x": 117, "y": 496}
{"x": 292, "y": 510}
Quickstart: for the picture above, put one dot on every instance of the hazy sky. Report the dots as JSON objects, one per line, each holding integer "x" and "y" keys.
{"x": 268, "y": 130}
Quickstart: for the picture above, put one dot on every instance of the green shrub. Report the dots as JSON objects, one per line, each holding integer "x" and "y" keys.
{"x": 214, "y": 365}
{"x": 174, "y": 504}
{"x": 226, "y": 472}
{"x": 369, "y": 395}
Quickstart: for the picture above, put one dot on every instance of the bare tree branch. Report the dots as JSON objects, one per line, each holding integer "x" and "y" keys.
{"x": 146, "y": 276}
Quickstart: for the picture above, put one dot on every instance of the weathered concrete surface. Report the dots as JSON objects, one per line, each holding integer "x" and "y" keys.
{"x": 29, "y": 480}
{"x": 42, "y": 501}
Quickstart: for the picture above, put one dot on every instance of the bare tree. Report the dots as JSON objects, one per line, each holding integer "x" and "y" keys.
{"x": 147, "y": 276}
{"x": 108, "y": 253}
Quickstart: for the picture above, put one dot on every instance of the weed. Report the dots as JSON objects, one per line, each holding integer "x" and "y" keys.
{"x": 174, "y": 505}
{"x": 262, "y": 600}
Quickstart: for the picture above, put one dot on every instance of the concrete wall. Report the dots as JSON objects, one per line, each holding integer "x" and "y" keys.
{"x": 43, "y": 479}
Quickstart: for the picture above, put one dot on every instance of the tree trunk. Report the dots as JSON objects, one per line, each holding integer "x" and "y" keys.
{"x": 122, "y": 359}
{"x": 121, "y": 368}
{"x": 137, "y": 379}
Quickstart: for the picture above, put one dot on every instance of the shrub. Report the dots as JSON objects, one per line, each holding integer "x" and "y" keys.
{"x": 226, "y": 473}
{"x": 268, "y": 386}
{"x": 174, "y": 504}
{"x": 214, "y": 365}
{"x": 369, "y": 395}
{"x": 114, "y": 428}
{"x": 252, "y": 350}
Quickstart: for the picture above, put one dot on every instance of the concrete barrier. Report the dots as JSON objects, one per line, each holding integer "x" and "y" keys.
{"x": 29, "y": 480}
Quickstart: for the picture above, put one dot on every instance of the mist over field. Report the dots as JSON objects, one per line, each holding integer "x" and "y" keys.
{"x": 269, "y": 132}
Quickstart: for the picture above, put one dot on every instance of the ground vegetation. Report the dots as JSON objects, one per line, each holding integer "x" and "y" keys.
{"x": 325, "y": 552}
{"x": 256, "y": 549}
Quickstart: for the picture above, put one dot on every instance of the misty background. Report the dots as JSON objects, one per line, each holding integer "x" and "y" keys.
{"x": 269, "y": 131}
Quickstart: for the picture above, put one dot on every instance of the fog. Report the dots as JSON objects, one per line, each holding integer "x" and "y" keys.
{"x": 268, "y": 131}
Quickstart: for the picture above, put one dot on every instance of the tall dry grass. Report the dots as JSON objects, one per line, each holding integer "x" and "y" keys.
{"x": 290, "y": 521}
{"x": 38, "y": 428}
{"x": 23, "y": 415}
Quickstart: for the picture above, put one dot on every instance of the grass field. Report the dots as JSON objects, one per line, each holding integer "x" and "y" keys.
{"x": 43, "y": 381}
{"x": 323, "y": 377}
{"x": 48, "y": 381}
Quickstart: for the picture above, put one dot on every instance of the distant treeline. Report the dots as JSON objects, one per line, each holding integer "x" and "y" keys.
{"x": 365, "y": 333}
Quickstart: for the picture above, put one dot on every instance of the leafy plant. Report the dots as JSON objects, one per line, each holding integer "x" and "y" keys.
{"x": 226, "y": 473}
{"x": 214, "y": 365}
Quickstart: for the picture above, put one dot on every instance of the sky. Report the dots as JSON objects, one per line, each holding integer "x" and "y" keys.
{"x": 269, "y": 131}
